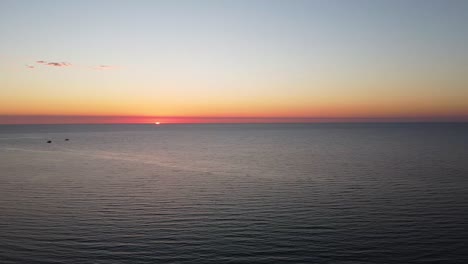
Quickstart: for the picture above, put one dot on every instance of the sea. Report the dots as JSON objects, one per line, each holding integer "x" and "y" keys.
{"x": 234, "y": 193}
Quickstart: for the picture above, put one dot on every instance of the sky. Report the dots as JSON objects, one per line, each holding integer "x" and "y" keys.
{"x": 233, "y": 61}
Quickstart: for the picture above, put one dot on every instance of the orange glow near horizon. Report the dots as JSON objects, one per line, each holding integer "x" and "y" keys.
{"x": 220, "y": 120}
{"x": 334, "y": 107}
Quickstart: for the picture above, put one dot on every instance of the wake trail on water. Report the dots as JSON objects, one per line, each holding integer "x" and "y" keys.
{"x": 107, "y": 155}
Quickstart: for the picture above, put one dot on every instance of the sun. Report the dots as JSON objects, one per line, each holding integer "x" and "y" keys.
{"x": 157, "y": 123}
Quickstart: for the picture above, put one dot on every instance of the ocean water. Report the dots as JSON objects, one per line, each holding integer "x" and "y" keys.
{"x": 258, "y": 193}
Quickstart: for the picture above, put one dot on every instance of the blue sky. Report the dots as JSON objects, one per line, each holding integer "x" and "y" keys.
{"x": 254, "y": 56}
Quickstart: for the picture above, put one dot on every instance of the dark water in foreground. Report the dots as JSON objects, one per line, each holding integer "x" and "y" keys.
{"x": 330, "y": 193}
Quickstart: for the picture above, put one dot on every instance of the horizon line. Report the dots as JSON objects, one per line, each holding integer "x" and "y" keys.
{"x": 116, "y": 119}
{"x": 245, "y": 123}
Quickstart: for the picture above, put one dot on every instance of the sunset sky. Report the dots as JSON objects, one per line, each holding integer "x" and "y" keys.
{"x": 233, "y": 61}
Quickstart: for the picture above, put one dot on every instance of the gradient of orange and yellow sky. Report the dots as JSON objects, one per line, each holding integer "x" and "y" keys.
{"x": 233, "y": 61}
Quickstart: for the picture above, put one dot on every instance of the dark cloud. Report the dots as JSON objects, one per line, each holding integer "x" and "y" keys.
{"x": 68, "y": 64}
{"x": 59, "y": 64}
{"x": 54, "y": 64}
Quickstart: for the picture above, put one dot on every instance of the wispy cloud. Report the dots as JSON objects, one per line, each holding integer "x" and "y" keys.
{"x": 59, "y": 64}
{"x": 105, "y": 67}
{"x": 54, "y": 64}
{"x": 68, "y": 64}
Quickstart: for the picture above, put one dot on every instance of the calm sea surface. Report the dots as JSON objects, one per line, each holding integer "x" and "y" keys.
{"x": 271, "y": 193}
